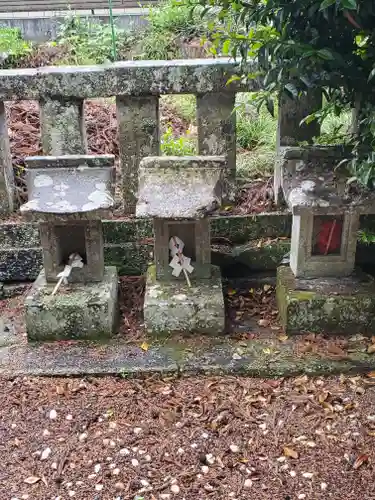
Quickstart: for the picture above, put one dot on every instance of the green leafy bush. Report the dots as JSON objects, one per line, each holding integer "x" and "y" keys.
{"x": 176, "y": 146}
{"x": 294, "y": 47}
{"x": 169, "y": 23}
{"x": 91, "y": 42}
{"x": 12, "y": 47}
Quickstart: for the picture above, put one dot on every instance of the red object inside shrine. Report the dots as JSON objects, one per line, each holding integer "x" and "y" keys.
{"x": 329, "y": 237}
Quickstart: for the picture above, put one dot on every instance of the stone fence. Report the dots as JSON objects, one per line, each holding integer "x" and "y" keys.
{"x": 137, "y": 86}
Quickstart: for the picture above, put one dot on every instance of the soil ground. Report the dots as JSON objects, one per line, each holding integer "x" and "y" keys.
{"x": 196, "y": 438}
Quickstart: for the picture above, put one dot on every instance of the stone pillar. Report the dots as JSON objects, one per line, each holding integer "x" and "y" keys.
{"x": 289, "y": 131}
{"x": 63, "y": 127}
{"x": 216, "y": 120}
{"x": 139, "y": 136}
{"x": 6, "y": 169}
{"x": 161, "y": 247}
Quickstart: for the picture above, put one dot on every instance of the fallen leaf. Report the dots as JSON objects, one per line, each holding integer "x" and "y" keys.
{"x": 283, "y": 338}
{"x": 32, "y": 480}
{"x": 371, "y": 433}
{"x": 289, "y": 452}
{"x": 266, "y": 288}
{"x": 360, "y": 460}
{"x": 144, "y": 346}
{"x": 263, "y": 322}
{"x": 267, "y": 350}
{"x": 231, "y": 292}
{"x": 370, "y": 374}
{"x": 60, "y": 390}
{"x": 371, "y": 349}
{"x": 336, "y": 350}
{"x": 227, "y": 208}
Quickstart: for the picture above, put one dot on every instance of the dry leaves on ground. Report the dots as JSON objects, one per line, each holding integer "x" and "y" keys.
{"x": 207, "y": 438}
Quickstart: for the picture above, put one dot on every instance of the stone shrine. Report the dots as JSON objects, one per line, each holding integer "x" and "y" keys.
{"x": 75, "y": 295}
{"x": 320, "y": 290}
{"x": 183, "y": 290}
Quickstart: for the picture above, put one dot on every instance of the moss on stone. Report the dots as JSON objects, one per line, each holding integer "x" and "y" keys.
{"x": 240, "y": 229}
{"x": 126, "y": 231}
{"x": 130, "y": 259}
{"x": 308, "y": 311}
{"x": 261, "y": 257}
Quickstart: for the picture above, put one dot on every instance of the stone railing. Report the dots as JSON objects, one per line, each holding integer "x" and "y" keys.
{"x": 137, "y": 86}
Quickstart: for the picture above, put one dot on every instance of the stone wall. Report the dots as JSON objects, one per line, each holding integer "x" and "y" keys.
{"x": 258, "y": 243}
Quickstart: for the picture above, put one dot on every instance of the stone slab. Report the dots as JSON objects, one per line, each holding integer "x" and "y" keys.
{"x": 86, "y": 311}
{"x": 123, "y": 78}
{"x": 69, "y": 185}
{"x": 259, "y": 358}
{"x": 344, "y": 305}
{"x": 177, "y": 187}
{"x": 173, "y": 307}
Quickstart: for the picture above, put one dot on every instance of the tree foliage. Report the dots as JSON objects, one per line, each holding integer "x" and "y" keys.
{"x": 300, "y": 45}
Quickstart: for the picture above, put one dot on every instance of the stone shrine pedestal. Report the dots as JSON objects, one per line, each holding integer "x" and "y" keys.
{"x": 174, "y": 307}
{"x": 321, "y": 291}
{"x": 68, "y": 195}
{"x": 179, "y": 193}
{"x": 83, "y": 311}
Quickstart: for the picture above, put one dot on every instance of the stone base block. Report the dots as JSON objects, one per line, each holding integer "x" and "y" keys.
{"x": 80, "y": 311}
{"x": 344, "y": 305}
{"x": 173, "y": 307}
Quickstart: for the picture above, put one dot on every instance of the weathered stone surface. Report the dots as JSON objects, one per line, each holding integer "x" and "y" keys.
{"x": 172, "y": 306}
{"x": 84, "y": 237}
{"x": 240, "y": 229}
{"x": 122, "y": 78}
{"x": 126, "y": 231}
{"x": 130, "y": 259}
{"x": 216, "y": 119}
{"x": 260, "y": 358}
{"x": 195, "y": 234}
{"x": 138, "y": 130}
{"x": 176, "y": 187}
{"x": 81, "y": 312}
{"x": 311, "y": 181}
{"x": 20, "y": 253}
{"x": 69, "y": 186}
{"x": 305, "y": 264}
{"x": 6, "y": 169}
{"x": 333, "y": 305}
{"x": 62, "y": 126}
{"x": 259, "y": 256}
{"x": 20, "y": 264}
{"x": 290, "y": 131}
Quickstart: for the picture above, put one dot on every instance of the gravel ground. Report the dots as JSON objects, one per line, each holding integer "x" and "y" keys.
{"x": 197, "y": 438}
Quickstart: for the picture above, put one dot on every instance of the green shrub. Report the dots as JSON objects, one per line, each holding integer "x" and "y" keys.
{"x": 176, "y": 146}
{"x": 184, "y": 105}
{"x": 12, "y": 47}
{"x": 168, "y": 24}
{"x": 91, "y": 42}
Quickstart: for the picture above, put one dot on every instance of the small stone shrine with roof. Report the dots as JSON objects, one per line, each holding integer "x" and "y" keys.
{"x": 321, "y": 290}
{"x": 183, "y": 289}
{"x": 75, "y": 295}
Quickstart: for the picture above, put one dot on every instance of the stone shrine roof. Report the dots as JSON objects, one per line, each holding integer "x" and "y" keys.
{"x": 312, "y": 182}
{"x": 180, "y": 187}
{"x": 72, "y": 186}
